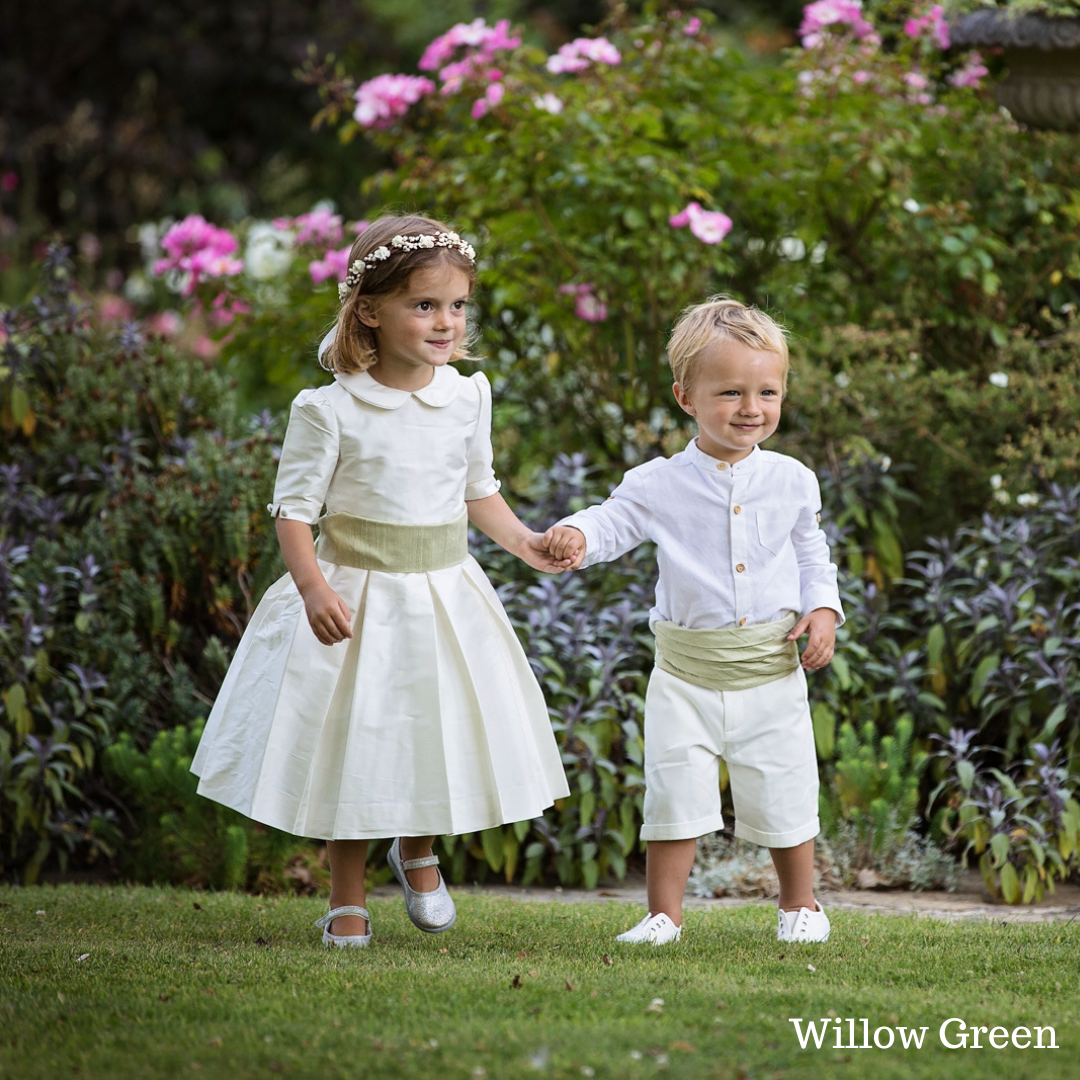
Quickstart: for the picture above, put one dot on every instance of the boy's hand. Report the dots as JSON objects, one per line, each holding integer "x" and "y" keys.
{"x": 821, "y": 622}
{"x": 535, "y": 552}
{"x": 328, "y": 614}
{"x": 566, "y": 542}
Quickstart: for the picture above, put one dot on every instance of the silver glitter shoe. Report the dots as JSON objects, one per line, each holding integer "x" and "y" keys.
{"x": 433, "y": 912}
{"x": 345, "y": 941}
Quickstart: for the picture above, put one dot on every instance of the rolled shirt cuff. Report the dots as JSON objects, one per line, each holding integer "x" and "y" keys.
{"x": 482, "y": 489}
{"x": 293, "y": 512}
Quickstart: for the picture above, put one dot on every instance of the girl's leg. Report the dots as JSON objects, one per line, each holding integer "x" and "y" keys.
{"x": 667, "y": 869}
{"x": 348, "y": 859}
{"x": 795, "y": 869}
{"x": 426, "y": 879}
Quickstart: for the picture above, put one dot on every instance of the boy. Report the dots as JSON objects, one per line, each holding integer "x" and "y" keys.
{"x": 744, "y": 572}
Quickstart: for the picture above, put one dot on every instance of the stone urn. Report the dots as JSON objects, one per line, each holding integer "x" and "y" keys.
{"x": 1042, "y": 54}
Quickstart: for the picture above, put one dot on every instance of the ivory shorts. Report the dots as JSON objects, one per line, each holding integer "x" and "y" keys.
{"x": 765, "y": 736}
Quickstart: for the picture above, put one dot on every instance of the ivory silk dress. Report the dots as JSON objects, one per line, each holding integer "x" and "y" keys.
{"x": 429, "y": 720}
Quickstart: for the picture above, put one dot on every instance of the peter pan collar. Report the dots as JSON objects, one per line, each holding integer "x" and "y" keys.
{"x": 704, "y": 461}
{"x": 442, "y": 389}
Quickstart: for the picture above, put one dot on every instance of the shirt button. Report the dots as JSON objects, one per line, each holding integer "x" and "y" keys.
{"x": 721, "y": 465}
{"x": 742, "y": 621}
{"x": 740, "y": 567}
{"x": 738, "y": 509}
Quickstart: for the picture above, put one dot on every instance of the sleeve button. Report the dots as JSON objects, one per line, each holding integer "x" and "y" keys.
{"x": 740, "y": 567}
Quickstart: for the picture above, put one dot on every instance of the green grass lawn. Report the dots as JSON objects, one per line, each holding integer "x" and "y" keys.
{"x": 135, "y": 982}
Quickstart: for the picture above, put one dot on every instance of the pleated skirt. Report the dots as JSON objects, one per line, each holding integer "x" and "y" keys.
{"x": 428, "y": 721}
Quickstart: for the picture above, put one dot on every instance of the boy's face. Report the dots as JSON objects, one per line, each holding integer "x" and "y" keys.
{"x": 735, "y": 397}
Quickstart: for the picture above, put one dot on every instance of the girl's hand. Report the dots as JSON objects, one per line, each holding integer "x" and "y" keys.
{"x": 328, "y": 614}
{"x": 534, "y": 551}
{"x": 566, "y": 542}
{"x": 821, "y": 622}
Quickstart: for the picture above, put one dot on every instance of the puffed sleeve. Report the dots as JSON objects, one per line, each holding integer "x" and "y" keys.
{"x": 480, "y": 479}
{"x": 309, "y": 456}
{"x": 817, "y": 573}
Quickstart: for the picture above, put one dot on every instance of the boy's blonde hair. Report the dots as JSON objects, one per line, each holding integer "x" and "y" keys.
{"x": 353, "y": 348}
{"x": 721, "y": 318}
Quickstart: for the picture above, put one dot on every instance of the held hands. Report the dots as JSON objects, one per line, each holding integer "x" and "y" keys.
{"x": 821, "y": 622}
{"x": 566, "y": 544}
{"x": 533, "y": 550}
{"x": 328, "y": 614}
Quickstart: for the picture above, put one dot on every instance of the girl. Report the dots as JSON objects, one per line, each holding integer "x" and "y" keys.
{"x": 379, "y": 689}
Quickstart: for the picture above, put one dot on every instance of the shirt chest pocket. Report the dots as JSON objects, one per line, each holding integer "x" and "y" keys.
{"x": 774, "y": 527}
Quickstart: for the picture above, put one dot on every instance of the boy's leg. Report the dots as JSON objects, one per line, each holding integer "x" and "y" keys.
{"x": 667, "y": 868}
{"x": 795, "y": 869}
{"x": 348, "y": 858}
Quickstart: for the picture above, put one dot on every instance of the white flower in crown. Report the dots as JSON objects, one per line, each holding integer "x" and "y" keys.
{"x": 343, "y": 289}
{"x": 426, "y": 241}
{"x": 398, "y": 241}
{"x": 452, "y": 238}
{"x": 383, "y": 252}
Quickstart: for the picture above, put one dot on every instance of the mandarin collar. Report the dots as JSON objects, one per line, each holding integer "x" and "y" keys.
{"x": 704, "y": 461}
{"x": 441, "y": 391}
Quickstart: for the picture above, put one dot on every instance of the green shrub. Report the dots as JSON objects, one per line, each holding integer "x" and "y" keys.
{"x": 182, "y": 837}
{"x": 133, "y": 547}
{"x": 1023, "y": 825}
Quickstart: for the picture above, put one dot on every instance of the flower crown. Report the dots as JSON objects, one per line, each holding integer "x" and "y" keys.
{"x": 420, "y": 242}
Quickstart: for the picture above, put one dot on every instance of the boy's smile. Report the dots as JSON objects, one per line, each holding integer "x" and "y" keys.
{"x": 735, "y": 396}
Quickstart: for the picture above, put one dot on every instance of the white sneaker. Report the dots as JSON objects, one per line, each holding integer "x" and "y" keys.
{"x": 802, "y": 925}
{"x": 652, "y": 930}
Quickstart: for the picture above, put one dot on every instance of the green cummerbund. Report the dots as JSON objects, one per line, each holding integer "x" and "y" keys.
{"x": 392, "y": 546}
{"x": 732, "y": 659}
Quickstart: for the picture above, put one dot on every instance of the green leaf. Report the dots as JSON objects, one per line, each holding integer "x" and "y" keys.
{"x": 965, "y": 772}
{"x": 935, "y": 645}
{"x": 824, "y": 729}
{"x": 20, "y": 404}
{"x": 999, "y": 848}
{"x": 491, "y": 840}
{"x": 987, "y": 666}
{"x": 843, "y": 670}
{"x": 1010, "y": 884}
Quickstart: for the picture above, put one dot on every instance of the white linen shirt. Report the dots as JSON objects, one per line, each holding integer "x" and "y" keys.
{"x": 736, "y": 544}
{"x": 362, "y": 448}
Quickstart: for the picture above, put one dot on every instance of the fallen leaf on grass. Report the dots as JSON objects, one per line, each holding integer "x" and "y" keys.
{"x": 209, "y": 992}
{"x": 521, "y": 955}
{"x": 217, "y": 1040}
{"x": 684, "y": 1046}
{"x": 197, "y": 907}
{"x": 517, "y": 984}
{"x": 569, "y": 984}
{"x": 80, "y": 959}
{"x": 810, "y": 967}
{"x": 606, "y": 960}
{"x": 164, "y": 997}
{"x": 655, "y": 1006}
{"x": 261, "y": 941}
{"x": 443, "y": 952}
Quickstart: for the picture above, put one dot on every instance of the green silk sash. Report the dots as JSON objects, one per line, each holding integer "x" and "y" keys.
{"x": 731, "y": 659}
{"x": 390, "y": 546}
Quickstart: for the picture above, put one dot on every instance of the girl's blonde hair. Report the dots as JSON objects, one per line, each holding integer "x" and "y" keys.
{"x": 721, "y": 318}
{"x": 354, "y": 346}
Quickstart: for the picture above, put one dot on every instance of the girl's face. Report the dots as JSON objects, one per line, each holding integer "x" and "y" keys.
{"x": 418, "y": 328}
{"x": 735, "y": 397}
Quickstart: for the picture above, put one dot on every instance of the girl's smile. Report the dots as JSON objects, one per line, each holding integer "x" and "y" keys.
{"x": 419, "y": 328}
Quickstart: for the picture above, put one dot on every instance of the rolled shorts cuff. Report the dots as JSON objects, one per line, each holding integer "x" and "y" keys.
{"x": 683, "y": 830}
{"x": 774, "y": 839}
